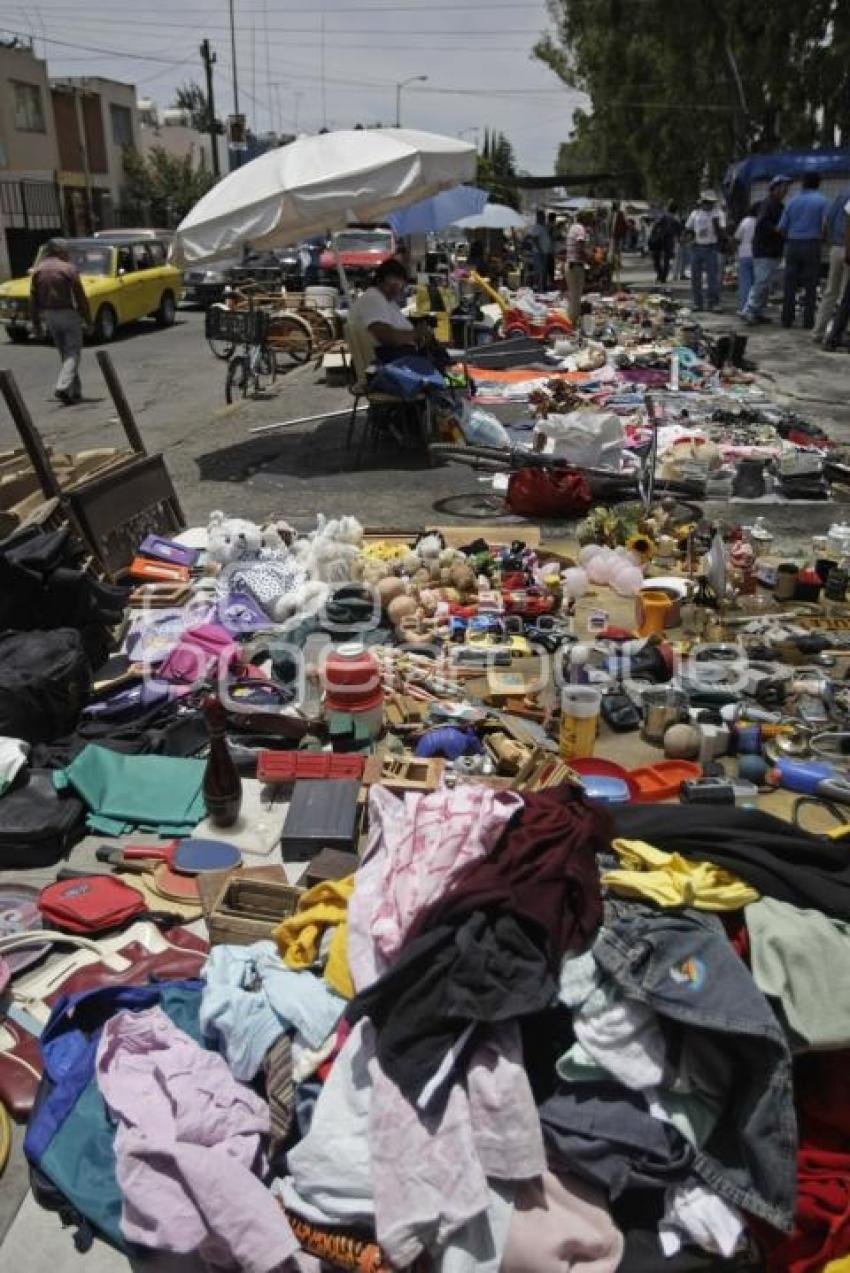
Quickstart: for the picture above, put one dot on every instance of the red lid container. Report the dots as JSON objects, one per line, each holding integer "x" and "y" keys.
{"x": 352, "y": 679}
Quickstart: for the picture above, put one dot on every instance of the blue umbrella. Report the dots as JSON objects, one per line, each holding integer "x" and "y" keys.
{"x": 426, "y": 216}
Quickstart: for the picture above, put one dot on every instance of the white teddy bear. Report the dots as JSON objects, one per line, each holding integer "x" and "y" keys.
{"x": 257, "y": 561}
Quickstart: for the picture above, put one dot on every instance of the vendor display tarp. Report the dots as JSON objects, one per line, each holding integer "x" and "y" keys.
{"x": 320, "y": 183}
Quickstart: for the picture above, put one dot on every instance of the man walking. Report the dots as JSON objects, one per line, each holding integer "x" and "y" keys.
{"x": 705, "y": 226}
{"x": 839, "y": 271}
{"x": 58, "y": 299}
{"x": 662, "y": 242}
{"x": 768, "y": 244}
{"x": 803, "y": 223}
{"x": 578, "y": 255}
{"x": 842, "y": 317}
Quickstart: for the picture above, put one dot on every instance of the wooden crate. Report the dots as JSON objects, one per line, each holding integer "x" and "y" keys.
{"x": 246, "y": 911}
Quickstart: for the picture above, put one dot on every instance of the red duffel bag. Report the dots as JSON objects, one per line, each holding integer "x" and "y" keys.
{"x": 548, "y": 493}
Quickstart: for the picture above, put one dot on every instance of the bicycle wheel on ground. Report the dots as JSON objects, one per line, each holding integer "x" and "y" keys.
{"x": 222, "y": 349}
{"x": 475, "y": 505}
{"x": 240, "y": 379}
{"x": 290, "y": 337}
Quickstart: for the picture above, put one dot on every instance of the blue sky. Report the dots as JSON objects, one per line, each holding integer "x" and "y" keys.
{"x": 329, "y": 61}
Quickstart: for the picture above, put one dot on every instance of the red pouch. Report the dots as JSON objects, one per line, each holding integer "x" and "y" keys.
{"x": 90, "y": 903}
{"x": 548, "y": 493}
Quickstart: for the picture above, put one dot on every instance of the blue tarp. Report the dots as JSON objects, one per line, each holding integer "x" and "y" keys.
{"x": 830, "y": 161}
{"x": 427, "y": 216}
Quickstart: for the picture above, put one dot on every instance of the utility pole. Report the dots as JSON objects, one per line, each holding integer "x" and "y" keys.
{"x": 208, "y": 59}
{"x": 233, "y": 56}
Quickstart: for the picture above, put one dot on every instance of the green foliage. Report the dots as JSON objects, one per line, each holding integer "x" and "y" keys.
{"x": 496, "y": 169}
{"x": 680, "y": 89}
{"x": 160, "y": 189}
{"x": 192, "y": 98}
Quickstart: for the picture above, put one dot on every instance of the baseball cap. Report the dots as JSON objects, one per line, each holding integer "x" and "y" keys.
{"x": 708, "y": 196}
{"x": 780, "y": 180}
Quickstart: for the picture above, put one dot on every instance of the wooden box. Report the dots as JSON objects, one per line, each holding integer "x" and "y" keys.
{"x": 246, "y": 911}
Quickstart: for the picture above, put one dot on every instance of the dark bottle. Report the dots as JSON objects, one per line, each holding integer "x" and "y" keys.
{"x": 222, "y": 784}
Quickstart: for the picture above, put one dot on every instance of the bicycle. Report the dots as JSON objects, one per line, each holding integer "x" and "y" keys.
{"x": 606, "y": 487}
{"x": 247, "y": 371}
{"x": 289, "y": 333}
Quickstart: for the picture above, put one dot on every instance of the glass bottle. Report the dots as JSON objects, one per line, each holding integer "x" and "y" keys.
{"x": 222, "y": 785}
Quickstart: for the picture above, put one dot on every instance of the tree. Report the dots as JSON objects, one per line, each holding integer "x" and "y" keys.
{"x": 680, "y": 90}
{"x": 161, "y": 188}
{"x": 496, "y": 169}
{"x": 192, "y": 98}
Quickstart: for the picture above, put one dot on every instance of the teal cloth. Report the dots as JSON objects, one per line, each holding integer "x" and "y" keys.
{"x": 162, "y": 794}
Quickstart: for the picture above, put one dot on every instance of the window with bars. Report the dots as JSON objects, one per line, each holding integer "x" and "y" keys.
{"x": 29, "y": 111}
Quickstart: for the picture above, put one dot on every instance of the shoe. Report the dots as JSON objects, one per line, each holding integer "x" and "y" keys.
{"x": 818, "y": 338}
{"x": 62, "y": 395}
{"x": 750, "y": 320}
{"x": 829, "y": 348}
{"x": 763, "y": 318}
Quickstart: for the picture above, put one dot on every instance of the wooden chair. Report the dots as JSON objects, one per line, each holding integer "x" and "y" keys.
{"x": 382, "y": 406}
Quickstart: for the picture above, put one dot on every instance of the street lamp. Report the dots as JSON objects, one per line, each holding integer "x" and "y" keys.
{"x": 414, "y": 79}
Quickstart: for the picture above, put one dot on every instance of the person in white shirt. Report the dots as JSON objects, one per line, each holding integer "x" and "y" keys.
{"x": 377, "y": 312}
{"x": 705, "y": 227}
{"x": 390, "y": 332}
{"x": 578, "y": 258}
{"x": 746, "y": 271}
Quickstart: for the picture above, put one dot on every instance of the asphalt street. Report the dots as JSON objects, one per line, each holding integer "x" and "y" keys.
{"x": 176, "y": 389}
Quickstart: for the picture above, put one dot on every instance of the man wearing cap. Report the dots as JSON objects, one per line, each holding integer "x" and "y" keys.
{"x": 803, "y": 223}
{"x": 705, "y": 226}
{"x": 58, "y": 299}
{"x": 768, "y": 245}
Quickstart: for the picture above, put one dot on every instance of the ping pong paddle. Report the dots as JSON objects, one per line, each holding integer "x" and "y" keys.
{"x": 186, "y": 857}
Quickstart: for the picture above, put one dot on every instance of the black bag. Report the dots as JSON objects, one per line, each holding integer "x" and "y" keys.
{"x": 38, "y": 824}
{"x": 45, "y": 680}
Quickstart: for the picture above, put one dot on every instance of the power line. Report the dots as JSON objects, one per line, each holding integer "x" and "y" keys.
{"x": 92, "y": 48}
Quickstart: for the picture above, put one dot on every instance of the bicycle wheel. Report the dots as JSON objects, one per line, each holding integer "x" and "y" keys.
{"x": 223, "y": 349}
{"x": 266, "y": 364}
{"x": 291, "y": 336}
{"x": 477, "y": 505}
{"x": 240, "y": 379}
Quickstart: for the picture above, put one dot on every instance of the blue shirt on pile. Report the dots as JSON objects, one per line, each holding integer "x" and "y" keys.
{"x": 804, "y": 215}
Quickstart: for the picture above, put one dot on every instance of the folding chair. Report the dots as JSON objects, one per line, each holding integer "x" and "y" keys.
{"x": 417, "y": 409}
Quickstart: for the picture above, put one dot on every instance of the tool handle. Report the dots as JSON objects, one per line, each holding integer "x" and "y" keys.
{"x": 159, "y": 852}
{"x": 115, "y": 857}
{"x": 69, "y": 873}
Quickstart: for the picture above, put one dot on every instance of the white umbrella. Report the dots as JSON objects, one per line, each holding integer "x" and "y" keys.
{"x": 496, "y": 216}
{"x": 320, "y": 183}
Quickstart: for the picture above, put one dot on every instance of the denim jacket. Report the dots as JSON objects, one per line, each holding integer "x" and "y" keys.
{"x": 682, "y": 965}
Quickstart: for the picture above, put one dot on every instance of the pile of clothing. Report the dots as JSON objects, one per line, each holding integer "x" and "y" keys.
{"x": 527, "y": 1034}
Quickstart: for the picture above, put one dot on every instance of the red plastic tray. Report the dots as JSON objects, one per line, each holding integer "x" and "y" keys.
{"x": 662, "y": 780}
{"x": 288, "y": 766}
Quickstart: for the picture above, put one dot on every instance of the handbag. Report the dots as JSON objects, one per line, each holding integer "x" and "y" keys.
{"x": 556, "y": 492}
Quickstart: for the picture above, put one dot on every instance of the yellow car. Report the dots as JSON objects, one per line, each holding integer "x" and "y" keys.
{"x": 123, "y": 280}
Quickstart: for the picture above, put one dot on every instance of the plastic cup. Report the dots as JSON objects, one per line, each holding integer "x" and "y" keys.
{"x": 579, "y": 720}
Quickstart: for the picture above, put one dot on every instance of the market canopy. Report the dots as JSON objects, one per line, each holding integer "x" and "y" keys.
{"x": 320, "y": 183}
{"x": 496, "y": 216}
{"x": 427, "y": 216}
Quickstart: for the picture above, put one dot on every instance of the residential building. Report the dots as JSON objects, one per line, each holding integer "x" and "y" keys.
{"x": 172, "y": 130}
{"x": 29, "y": 202}
{"x": 95, "y": 119}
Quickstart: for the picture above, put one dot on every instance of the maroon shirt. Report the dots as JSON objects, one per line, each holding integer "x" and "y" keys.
{"x": 56, "y": 285}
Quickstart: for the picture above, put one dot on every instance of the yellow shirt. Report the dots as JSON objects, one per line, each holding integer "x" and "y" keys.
{"x": 299, "y": 937}
{"x": 671, "y": 880}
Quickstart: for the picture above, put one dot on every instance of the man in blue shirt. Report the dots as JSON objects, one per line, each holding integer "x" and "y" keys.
{"x": 803, "y": 224}
{"x": 839, "y": 271}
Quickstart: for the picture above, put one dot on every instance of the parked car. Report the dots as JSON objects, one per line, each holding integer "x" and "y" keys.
{"x": 204, "y": 284}
{"x": 123, "y": 281}
{"x": 360, "y": 249}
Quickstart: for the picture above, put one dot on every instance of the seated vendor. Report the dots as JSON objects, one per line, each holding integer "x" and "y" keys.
{"x": 391, "y": 333}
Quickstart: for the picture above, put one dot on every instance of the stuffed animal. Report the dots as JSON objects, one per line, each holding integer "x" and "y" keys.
{"x": 258, "y": 562}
